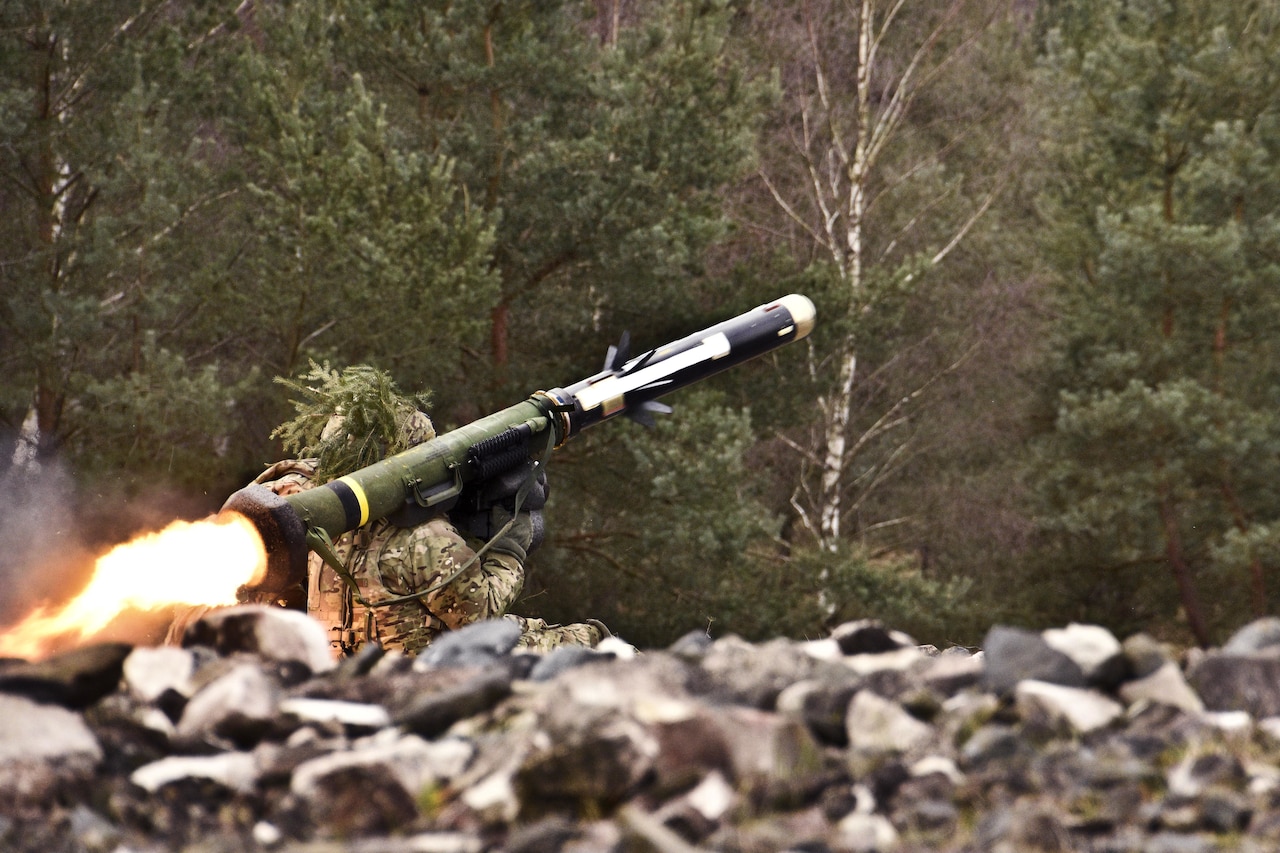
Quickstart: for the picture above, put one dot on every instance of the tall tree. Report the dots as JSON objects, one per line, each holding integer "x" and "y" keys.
{"x": 101, "y": 174}
{"x": 873, "y": 184}
{"x": 598, "y": 153}
{"x": 1160, "y": 466}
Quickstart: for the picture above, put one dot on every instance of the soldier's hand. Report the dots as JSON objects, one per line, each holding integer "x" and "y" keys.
{"x": 504, "y": 488}
{"x": 521, "y": 537}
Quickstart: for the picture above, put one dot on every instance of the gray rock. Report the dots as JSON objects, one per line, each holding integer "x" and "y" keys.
{"x": 821, "y": 705}
{"x": 742, "y": 673}
{"x": 563, "y": 659}
{"x": 236, "y": 708}
{"x": 1094, "y": 649}
{"x": 867, "y": 833}
{"x": 272, "y": 633}
{"x": 881, "y": 726}
{"x": 477, "y": 645}
{"x": 1238, "y": 683}
{"x": 1165, "y": 685}
{"x": 74, "y": 679}
{"x": 31, "y": 731}
{"x": 355, "y": 717}
{"x": 415, "y": 764}
{"x": 237, "y": 771}
{"x": 949, "y": 673}
{"x": 869, "y": 636}
{"x": 431, "y": 714}
{"x": 1016, "y": 654}
{"x": 1261, "y": 635}
{"x": 1144, "y": 654}
{"x": 766, "y": 747}
{"x": 46, "y": 753}
{"x": 151, "y": 671}
{"x": 587, "y": 755}
{"x": 1083, "y": 710}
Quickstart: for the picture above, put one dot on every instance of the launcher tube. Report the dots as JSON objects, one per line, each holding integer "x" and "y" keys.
{"x": 433, "y": 473}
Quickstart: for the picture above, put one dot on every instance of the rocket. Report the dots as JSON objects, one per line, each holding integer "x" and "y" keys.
{"x": 410, "y": 486}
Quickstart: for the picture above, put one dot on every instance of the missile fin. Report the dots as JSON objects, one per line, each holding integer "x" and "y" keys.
{"x": 643, "y": 414}
{"x": 617, "y": 356}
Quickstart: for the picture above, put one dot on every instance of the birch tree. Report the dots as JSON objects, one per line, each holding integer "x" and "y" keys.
{"x": 864, "y": 191}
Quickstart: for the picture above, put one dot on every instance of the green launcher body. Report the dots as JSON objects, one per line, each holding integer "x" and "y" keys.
{"x": 410, "y": 486}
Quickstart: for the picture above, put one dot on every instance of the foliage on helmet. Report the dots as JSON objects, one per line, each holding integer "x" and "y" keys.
{"x": 351, "y": 418}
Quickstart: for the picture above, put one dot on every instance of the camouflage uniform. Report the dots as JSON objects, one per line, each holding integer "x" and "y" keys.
{"x": 388, "y": 562}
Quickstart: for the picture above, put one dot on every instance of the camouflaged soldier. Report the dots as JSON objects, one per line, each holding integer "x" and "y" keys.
{"x": 404, "y": 586}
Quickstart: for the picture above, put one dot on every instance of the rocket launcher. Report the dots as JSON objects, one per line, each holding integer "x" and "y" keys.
{"x": 410, "y": 486}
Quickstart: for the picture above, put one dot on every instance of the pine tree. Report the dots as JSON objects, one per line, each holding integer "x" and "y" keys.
{"x": 1159, "y": 470}
{"x": 103, "y": 174}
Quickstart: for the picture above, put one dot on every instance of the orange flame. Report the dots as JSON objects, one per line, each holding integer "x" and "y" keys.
{"x": 189, "y": 562}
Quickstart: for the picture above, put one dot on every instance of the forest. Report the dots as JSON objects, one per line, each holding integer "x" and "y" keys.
{"x": 1042, "y": 236}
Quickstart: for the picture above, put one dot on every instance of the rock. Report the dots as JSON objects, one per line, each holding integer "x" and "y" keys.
{"x": 1165, "y": 685}
{"x": 237, "y": 771}
{"x": 1238, "y": 683}
{"x": 373, "y": 787}
{"x": 1016, "y": 654}
{"x": 766, "y": 747}
{"x": 820, "y": 705}
{"x": 1094, "y": 649}
{"x": 235, "y": 708}
{"x": 431, "y": 714}
{"x": 869, "y": 636}
{"x": 477, "y": 645}
{"x": 1259, "y": 636}
{"x": 272, "y": 633}
{"x": 1144, "y": 655}
{"x": 355, "y": 717}
{"x": 44, "y": 750}
{"x": 1083, "y": 710}
{"x": 881, "y": 726}
{"x": 563, "y": 659}
{"x": 161, "y": 676}
{"x": 35, "y": 732}
{"x": 949, "y": 673}
{"x": 867, "y": 833}
{"x": 74, "y": 679}
{"x": 798, "y": 746}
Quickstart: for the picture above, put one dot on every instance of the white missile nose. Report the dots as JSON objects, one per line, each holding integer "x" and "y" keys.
{"x": 802, "y": 313}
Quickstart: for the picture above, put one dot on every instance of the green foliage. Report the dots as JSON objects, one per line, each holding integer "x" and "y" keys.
{"x": 892, "y": 589}
{"x": 361, "y": 245}
{"x": 349, "y": 419}
{"x": 154, "y": 423}
{"x": 663, "y": 533}
{"x": 1160, "y": 464}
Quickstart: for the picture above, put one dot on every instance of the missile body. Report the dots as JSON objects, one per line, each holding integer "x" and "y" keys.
{"x": 408, "y": 487}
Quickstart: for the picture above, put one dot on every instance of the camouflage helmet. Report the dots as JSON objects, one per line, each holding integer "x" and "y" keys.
{"x": 412, "y": 429}
{"x": 352, "y": 418}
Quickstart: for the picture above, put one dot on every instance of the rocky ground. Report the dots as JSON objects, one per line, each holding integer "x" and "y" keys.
{"x": 249, "y": 738}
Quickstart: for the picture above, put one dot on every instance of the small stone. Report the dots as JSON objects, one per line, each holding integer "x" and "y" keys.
{"x": 74, "y": 679}
{"x": 272, "y": 633}
{"x": 478, "y": 644}
{"x": 237, "y": 771}
{"x": 880, "y": 725}
{"x": 1261, "y": 635}
{"x": 1084, "y": 710}
{"x": 1016, "y": 654}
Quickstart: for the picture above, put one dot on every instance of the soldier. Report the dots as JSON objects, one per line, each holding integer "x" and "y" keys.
{"x": 403, "y": 586}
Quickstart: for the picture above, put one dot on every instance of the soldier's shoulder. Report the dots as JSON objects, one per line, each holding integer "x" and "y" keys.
{"x": 297, "y": 473}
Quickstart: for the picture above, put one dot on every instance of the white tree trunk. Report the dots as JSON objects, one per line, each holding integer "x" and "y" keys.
{"x": 26, "y": 448}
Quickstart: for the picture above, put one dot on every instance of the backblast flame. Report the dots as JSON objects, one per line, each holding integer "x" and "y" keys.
{"x": 189, "y": 562}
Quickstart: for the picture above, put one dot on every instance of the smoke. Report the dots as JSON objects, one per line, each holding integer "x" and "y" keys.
{"x": 43, "y": 555}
